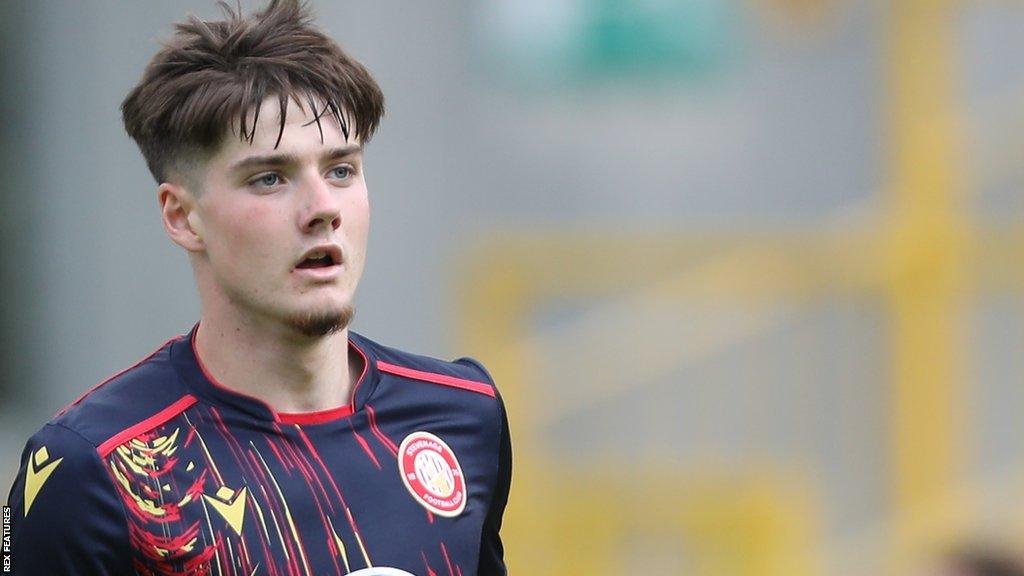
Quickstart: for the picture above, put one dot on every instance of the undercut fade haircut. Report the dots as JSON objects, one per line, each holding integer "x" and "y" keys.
{"x": 210, "y": 78}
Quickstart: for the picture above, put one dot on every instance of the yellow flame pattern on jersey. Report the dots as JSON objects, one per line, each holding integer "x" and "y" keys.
{"x": 136, "y": 463}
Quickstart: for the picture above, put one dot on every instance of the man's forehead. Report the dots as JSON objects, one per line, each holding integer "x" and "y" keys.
{"x": 305, "y": 131}
{"x": 298, "y": 116}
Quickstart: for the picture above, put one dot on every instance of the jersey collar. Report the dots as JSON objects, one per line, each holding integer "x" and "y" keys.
{"x": 190, "y": 367}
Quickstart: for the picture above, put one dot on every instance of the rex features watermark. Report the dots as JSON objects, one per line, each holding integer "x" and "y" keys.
{"x": 7, "y": 539}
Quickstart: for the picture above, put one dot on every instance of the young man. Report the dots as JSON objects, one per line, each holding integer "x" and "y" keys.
{"x": 270, "y": 440}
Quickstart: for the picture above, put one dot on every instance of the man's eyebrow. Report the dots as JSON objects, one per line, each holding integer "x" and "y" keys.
{"x": 279, "y": 160}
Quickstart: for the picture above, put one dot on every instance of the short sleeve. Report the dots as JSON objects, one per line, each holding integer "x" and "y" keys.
{"x": 66, "y": 516}
{"x": 492, "y": 552}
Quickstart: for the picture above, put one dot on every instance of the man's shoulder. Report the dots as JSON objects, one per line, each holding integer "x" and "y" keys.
{"x": 67, "y": 517}
{"x": 124, "y": 399}
{"x": 463, "y": 373}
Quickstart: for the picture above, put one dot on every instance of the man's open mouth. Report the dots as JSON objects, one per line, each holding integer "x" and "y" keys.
{"x": 318, "y": 260}
{"x": 321, "y": 258}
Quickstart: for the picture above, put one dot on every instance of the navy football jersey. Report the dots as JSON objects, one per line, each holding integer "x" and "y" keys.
{"x": 160, "y": 470}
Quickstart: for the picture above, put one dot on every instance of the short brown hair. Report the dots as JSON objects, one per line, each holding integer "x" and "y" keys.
{"x": 211, "y": 76}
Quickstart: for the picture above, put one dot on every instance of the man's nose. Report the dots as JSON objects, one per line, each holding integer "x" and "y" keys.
{"x": 323, "y": 206}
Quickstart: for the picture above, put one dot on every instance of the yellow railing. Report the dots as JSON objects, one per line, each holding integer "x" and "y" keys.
{"x": 917, "y": 250}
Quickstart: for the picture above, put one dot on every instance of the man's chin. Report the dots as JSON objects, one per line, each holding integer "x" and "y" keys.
{"x": 320, "y": 323}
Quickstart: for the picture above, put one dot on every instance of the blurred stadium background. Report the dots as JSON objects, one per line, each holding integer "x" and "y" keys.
{"x": 750, "y": 275}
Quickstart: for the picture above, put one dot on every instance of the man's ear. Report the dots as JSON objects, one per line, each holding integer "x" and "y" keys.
{"x": 180, "y": 219}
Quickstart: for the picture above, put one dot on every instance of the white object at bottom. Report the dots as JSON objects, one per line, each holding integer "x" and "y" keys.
{"x": 381, "y": 571}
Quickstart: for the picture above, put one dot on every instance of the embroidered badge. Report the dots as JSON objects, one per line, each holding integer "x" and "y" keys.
{"x": 432, "y": 474}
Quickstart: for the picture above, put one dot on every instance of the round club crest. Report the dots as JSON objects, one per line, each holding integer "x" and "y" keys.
{"x": 432, "y": 474}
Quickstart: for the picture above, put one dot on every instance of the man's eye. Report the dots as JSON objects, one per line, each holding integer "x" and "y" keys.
{"x": 341, "y": 172}
{"x": 268, "y": 180}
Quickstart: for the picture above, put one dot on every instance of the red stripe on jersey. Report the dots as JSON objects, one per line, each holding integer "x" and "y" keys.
{"x": 447, "y": 560}
{"x": 179, "y": 406}
{"x": 314, "y": 417}
{"x": 380, "y": 434}
{"x": 442, "y": 379}
{"x": 362, "y": 375}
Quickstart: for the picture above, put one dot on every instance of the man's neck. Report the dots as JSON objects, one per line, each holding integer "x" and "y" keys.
{"x": 290, "y": 372}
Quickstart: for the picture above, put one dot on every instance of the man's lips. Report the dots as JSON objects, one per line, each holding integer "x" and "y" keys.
{"x": 324, "y": 256}
{"x": 323, "y": 263}
{"x": 322, "y": 274}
